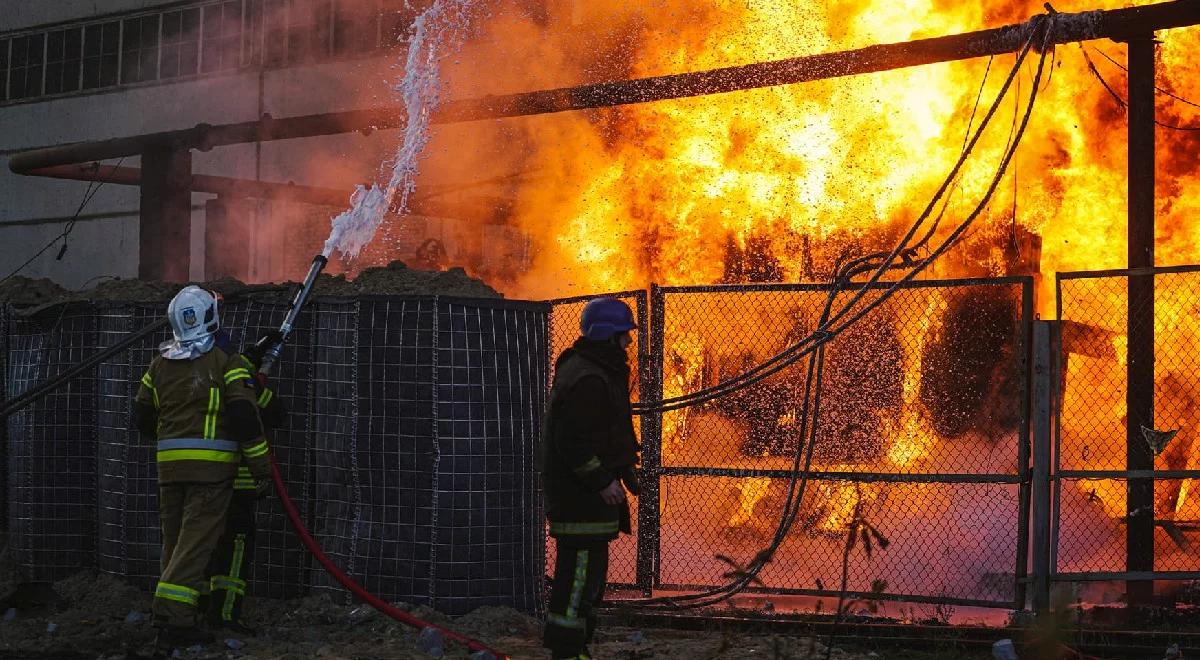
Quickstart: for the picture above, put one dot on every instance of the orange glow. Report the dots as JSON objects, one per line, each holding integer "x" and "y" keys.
{"x": 778, "y": 184}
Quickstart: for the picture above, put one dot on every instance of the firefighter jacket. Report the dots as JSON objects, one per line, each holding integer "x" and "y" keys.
{"x": 202, "y": 415}
{"x": 270, "y": 410}
{"x": 587, "y": 441}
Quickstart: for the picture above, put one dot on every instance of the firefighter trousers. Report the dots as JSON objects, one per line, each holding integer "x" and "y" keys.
{"x": 233, "y": 554}
{"x": 580, "y": 575}
{"x": 193, "y": 518}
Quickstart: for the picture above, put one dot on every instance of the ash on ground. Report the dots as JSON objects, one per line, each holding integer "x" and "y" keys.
{"x": 394, "y": 279}
{"x": 92, "y": 615}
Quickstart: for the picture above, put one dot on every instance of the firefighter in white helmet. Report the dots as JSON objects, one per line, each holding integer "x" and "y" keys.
{"x": 197, "y": 401}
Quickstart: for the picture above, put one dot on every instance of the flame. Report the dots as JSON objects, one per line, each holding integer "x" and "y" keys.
{"x": 687, "y": 356}
{"x": 653, "y": 192}
{"x": 841, "y": 500}
{"x": 778, "y": 184}
{"x": 751, "y": 491}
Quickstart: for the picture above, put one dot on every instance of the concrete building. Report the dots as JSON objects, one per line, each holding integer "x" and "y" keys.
{"x": 82, "y": 70}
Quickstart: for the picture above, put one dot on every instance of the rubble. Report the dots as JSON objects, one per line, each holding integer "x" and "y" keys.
{"x": 87, "y": 624}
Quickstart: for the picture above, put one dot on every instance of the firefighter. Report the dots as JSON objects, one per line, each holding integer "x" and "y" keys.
{"x": 197, "y": 402}
{"x": 587, "y": 459}
{"x": 235, "y": 549}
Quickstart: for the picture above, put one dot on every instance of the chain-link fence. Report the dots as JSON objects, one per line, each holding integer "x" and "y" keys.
{"x": 922, "y": 432}
{"x": 408, "y": 446}
{"x": 563, "y": 331}
{"x": 1128, "y": 459}
{"x": 408, "y": 417}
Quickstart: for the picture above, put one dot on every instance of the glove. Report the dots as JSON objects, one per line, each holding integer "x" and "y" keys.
{"x": 262, "y": 488}
{"x": 256, "y": 352}
{"x": 630, "y": 478}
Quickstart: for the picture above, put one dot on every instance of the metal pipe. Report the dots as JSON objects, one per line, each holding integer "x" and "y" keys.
{"x": 206, "y": 136}
{"x": 1117, "y": 23}
{"x": 424, "y": 204}
{"x": 1042, "y": 415}
{"x": 1084, "y": 26}
{"x": 202, "y": 183}
{"x": 1139, "y": 394}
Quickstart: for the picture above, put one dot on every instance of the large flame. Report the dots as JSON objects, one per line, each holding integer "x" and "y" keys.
{"x": 778, "y": 184}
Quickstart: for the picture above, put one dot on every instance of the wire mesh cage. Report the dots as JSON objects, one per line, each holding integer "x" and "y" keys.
{"x": 52, "y": 443}
{"x": 407, "y": 444}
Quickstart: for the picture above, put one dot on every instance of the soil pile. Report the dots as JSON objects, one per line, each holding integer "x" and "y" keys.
{"x": 398, "y": 279}
{"x": 395, "y": 279}
{"x": 23, "y": 291}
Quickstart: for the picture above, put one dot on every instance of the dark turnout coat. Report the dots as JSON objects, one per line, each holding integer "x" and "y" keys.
{"x": 587, "y": 442}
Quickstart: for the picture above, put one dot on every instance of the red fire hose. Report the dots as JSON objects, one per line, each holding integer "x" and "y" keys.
{"x": 356, "y": 588}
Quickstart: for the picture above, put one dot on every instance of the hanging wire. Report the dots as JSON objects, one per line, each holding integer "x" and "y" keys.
{"x": 1125, "y": 104}
{"x": 802, "y": 459}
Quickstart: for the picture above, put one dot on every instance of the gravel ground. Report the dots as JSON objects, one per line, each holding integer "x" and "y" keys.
{"x": 92, "y": 615}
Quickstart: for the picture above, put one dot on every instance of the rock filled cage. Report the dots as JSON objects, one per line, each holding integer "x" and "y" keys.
{"x": 408, "y": 447}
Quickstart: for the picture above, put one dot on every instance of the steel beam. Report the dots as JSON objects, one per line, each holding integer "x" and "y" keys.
{"x": 165, "y": 240}
{"x": 1043, "y": 416}
{"x": 1113, "y": 24}
{"x": 1139, "y": 395}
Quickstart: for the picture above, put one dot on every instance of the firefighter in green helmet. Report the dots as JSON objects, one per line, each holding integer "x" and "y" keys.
{"x": 197, "y": 403}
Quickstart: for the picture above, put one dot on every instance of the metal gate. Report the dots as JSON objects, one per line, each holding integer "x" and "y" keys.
{"x": 946, "y": 484}
{"x": 1124, "y": 500}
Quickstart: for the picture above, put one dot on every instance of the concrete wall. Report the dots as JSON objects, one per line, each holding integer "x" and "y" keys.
{"x": 104, "y": 242}
{"x": 21, "y": 14}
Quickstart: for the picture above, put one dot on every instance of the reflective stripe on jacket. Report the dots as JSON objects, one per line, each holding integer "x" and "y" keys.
{"x": 190, "y": 398}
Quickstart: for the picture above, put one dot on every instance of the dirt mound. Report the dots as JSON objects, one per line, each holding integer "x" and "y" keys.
{"x": 398, "y": 279}
{"x": 23, "y": 291}
{"x": 394, "y": 279}
{"x": 98, "y": 592}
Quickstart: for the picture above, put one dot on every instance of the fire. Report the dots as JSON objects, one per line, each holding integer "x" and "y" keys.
{"x": 687, "y": 358}
{"x": 654, "y": 192}
{"x": 841, "y": 501}
{"x": 751, "y": 491}
{"x": 779, "y": 184}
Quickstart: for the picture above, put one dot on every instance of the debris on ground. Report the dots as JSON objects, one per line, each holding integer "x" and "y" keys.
{"x": 87, "y": 624}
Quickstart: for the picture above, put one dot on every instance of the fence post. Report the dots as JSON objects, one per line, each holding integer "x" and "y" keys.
{"x": 1043, "y": 374}
{"x": 651, "y": 361}
{"x": 1140, "y": 391}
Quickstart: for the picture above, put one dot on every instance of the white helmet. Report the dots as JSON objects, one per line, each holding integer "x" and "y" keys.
{"x": 194, "y": 322}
